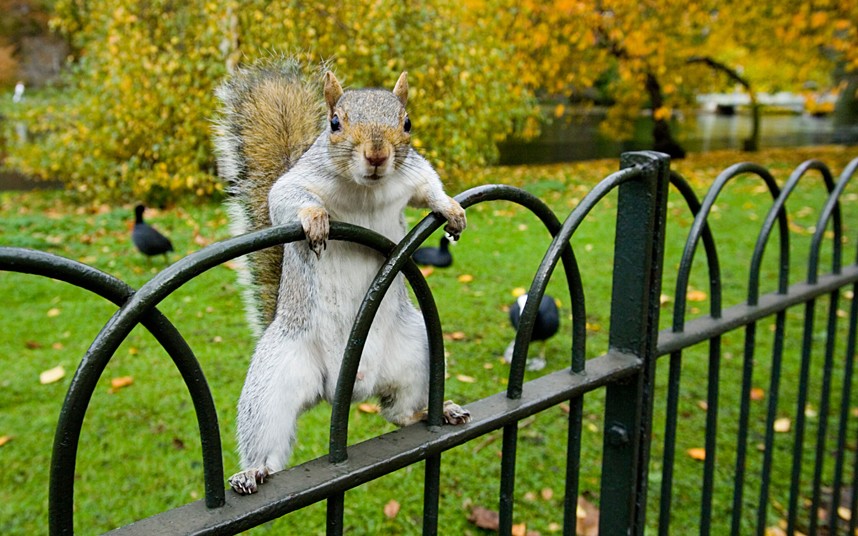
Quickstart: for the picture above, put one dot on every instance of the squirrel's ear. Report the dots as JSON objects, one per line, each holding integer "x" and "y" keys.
{"x": 333, "y": 91}
{"x": 401, "y": 88}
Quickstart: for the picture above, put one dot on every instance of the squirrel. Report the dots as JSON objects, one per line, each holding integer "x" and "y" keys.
{"x": 286, "y": 157}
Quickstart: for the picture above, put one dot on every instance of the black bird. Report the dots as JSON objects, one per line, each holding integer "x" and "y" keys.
{"x": 544, "y": 327}
{"x": 439, "y": 256}
{"x": 149, "y": 241}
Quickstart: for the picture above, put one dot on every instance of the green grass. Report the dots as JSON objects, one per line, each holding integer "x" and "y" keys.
{"x": 140, "y": 451}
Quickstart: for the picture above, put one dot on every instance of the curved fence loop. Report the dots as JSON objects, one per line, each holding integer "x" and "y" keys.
{"x": 108, "y": 287}
{"x": 135, "y": 309}
{"x": 700, "y": 222}
{"x": 399, "y": 260}
{"x": 546, "y": 268}
{"x": 830, "y": 212}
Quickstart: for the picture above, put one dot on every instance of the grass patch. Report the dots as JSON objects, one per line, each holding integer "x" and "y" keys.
{"x": 140, "y": 451}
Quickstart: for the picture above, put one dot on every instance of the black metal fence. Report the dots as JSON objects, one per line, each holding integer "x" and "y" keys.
{"x": 640, "y": 416}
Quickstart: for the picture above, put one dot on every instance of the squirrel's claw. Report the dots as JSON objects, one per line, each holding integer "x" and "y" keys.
{"x": 245, "y": 482}
{"x": 456, "y": 220}
{"x": 316, "y": 224}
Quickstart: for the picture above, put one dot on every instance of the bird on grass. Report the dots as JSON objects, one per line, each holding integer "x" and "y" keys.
{"x": 149, "y": 241}
{"x": 544, "y": 327}
{"x": 439, "y": 257}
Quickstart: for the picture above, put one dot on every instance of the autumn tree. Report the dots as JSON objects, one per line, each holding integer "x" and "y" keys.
{"x": 134, "y": 121}
{"x": 644, "y": 48}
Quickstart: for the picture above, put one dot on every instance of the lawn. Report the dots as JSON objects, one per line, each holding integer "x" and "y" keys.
{"x": 140, "y": 452}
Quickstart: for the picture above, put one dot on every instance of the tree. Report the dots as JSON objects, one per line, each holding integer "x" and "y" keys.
{"x": 134, "y": 121}
{"x": 645, "y": 47}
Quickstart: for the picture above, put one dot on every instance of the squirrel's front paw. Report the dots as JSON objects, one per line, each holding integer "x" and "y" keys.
{"x": 456, "y": 220}
{"x": 245, "y": 482}
{"x": 316, "y": 226}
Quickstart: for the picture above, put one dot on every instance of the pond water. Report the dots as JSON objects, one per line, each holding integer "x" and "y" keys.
{"x": 578, "y": 137}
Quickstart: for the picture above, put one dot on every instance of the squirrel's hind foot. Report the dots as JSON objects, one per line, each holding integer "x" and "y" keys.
{"x": 455, "y": 414}
{"x": 245, "y": 482}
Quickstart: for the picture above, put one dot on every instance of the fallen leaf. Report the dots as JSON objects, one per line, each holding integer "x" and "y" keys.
{"x": 519, "y": 530}
{"x": 52, "y": 312}
{"x": 178, "y": 444}
{"x": 5, "y": 439}
{"x": 587, "y": 515}
{"x": 427, "y": 270}
{"x": 118, "y": 383}
{"x": 547, "y": 494}
{"x": 465, "y": 278}
{"x": 391, "y": 509}
{"x": 368, "y": 407}
{"x": 458, "y": 336}
{"x": 664, "y": 299}
{"x": 698, "y": 454}
{"x": 484, "y": 518}
{"x": 702, "y": 404}
{"x": 518, "y": 291}
{"x": 782, "y": 425}
{"x": 775, "y": 531}
{"x": 52, "y": 375}
{"x": 32, "y": 345}
{"x": 465, "y": 379}
{"x": 844, "y": 513}
{"x": 57, "y": 346}
{"x": 757, "y": 393}
{"x": 696, "y": 296}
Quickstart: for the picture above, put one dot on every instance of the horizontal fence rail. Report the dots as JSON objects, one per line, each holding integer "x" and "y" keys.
{"x": 641, "y": 373}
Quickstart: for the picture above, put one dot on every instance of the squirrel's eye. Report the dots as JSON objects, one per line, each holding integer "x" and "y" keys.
{"x": 406, "y": 126}
{"x": 335, "y": 124}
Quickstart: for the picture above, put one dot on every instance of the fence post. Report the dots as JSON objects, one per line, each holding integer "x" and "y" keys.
{"x": 638, "y": 257}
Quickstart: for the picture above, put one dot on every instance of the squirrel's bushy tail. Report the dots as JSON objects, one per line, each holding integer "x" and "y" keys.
{"x": 270, "y": 114}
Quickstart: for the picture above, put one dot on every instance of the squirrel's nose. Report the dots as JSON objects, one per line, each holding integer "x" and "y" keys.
{"x": 376, "y": 158}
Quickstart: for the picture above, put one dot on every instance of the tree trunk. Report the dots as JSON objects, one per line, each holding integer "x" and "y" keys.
{"x": 753, "y": 142}
{"x": 663, "y": 139}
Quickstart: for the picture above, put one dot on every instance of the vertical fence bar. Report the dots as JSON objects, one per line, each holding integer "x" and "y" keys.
{"x": 638, "y": 255}
{"x": 845, "y": 404}
{"x": 771, "y": 415}
{"x": 824, "y": 403}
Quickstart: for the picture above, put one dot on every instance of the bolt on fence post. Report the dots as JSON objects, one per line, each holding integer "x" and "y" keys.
{"x": 638, "y": 257}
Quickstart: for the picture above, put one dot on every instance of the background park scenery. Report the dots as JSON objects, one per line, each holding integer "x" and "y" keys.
{"x": 120, "y": 113}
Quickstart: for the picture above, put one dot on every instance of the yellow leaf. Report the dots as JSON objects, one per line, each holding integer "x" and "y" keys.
{"x": 120, "y": 382}
{"x": 5, "y": 439}
{"x": 52, "y": 375}
{"x": 696, "y": 296}
{"x": 465, "y": 278}
{"x": 782, "y": 425}
{"x": 518, "y": 291}
{"x": 559, "y": 110}
{"x": 368, "y": 407}
{"x": 427, "y": 270}
{"x": 697, "y": 453}
{"x": 757, "y": 393}
{"x": 391, "y": 509}
{"x": 465, "y": 379}
{"x": 53, "y": 312}
{"x": 661, "y": 114}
